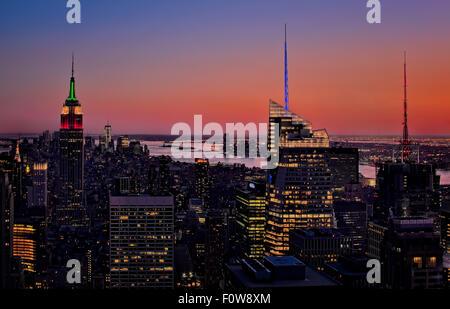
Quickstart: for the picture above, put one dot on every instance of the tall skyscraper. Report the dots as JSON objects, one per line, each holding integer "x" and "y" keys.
{"x": 40, "y": 185}
{"x": 299, "y": 189}
{"x": 17, "y": 176}
{"x": 44, "y": 141}
{"x": 141, "y": 241}
{"x": 445, "y": 242}
{"x": 202, "y": 181}
{"x": 7, "y": 219}
{"x": 158, "y": 175}
{"x": 251, "y": 220}
{"x": 406, "y": 189}
{"x": 70, "y": 210}
{"x": 344, "y": 166}
{"x": 214, "y": 249}
{"x": 24, "y": 246}
{"x": 102, "y": 143}
{"x": 108, "y": 136}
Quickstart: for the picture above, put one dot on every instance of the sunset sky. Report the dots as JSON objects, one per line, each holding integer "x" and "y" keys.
{"x": 143, "y": 65}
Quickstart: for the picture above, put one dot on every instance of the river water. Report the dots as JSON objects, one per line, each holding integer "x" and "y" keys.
{"x": 156, "y": 148}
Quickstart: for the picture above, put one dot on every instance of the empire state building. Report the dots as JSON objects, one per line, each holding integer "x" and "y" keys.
{"x": 70, "y": 210}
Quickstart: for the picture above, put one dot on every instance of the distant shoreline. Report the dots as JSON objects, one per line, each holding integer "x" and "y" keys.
{"x": 152, "y": 137}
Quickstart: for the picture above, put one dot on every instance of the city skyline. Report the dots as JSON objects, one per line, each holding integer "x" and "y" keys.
{"x": 107, "y": 199}
{"x": 217, "y": 73}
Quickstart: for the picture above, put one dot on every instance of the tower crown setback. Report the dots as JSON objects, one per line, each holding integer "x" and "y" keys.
{"x": 71, "y": 114}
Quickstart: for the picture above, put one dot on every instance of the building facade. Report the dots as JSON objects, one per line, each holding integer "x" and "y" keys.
{"x": 299, "y": 189}
{"x": 141, "y": 241}
{"x": 318, "y": 247}
{"x": 406, "y": 189}
{"x": 40, "y": 185}
{"x": 7, "y": 220}
{"x": 202, "y": 181}
{"x": 70, "y": 210}
{"x": 24, "y": 247}
{"x": 351, "y": 220}
{"x": 445, "y": 242}
{"x": 413, "y": 256}
{"x": 344, "y": 166}
{"x": 251, "y": 220}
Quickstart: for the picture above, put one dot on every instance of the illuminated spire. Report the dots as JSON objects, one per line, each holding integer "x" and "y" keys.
{"x": 72, "y": 96}
{"x": 405, "y": 140}
{"x": 17, "y": 156}
{"x": 286, "y": 88}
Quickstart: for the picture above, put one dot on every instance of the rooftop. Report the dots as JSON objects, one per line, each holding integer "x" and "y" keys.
{"x": 281, "y": 271}
{"x": 313, "y": 278}
{"x": 279, "y": 261}
{"x": 141, "y": 200}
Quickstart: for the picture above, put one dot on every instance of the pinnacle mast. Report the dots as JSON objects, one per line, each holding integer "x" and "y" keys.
{"x": 405, "y": 140}
{"x": 72, "y": 96}
{"x": 286, "y": 88}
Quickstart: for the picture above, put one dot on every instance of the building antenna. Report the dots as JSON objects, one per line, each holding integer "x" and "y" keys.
{"x": 286, "y": 88}
{"x": 73, "y": 60}
{"x": 405, "y": 140}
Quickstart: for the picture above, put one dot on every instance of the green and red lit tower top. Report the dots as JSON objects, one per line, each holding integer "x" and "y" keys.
{"x": 72, "y": 115}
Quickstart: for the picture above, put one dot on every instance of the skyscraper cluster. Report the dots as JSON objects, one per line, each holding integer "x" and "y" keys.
{"x": 133, "y": 219}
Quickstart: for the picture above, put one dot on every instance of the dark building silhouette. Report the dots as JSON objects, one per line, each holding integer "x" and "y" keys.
{"x": 406, "y": 189}
{"x": 344, "y": 166}
{"x": 445, "y": 241}
{"x": 89, "y": 143}
{"x": 184, "y": 269}
{"x": 376, "y": 234}
{"x": 214, "y": 249}
{"x": 351, "y": 220}
{"x": 350, "y": 271}
{"x": 125, "y": 185}
{"x": 317, "y": 247}
{"x": 37, "y": 218}
{"x": 197, "y": 246}
{"x": 7, "y": 219}
{"x": 412, "y": 255}
{"x": 159, "y": 175}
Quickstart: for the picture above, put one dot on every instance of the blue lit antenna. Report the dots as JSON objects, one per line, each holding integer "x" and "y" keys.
{"x": 286, "y": 88}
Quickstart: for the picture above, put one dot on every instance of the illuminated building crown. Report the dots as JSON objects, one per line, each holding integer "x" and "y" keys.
{"x": 72, "y": 115}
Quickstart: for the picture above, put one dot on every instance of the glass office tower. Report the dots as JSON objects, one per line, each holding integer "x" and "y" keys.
{"x": 299, "y": 190}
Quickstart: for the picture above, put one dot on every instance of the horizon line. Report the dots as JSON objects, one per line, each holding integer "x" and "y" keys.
{"x": 168, "y": 134}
